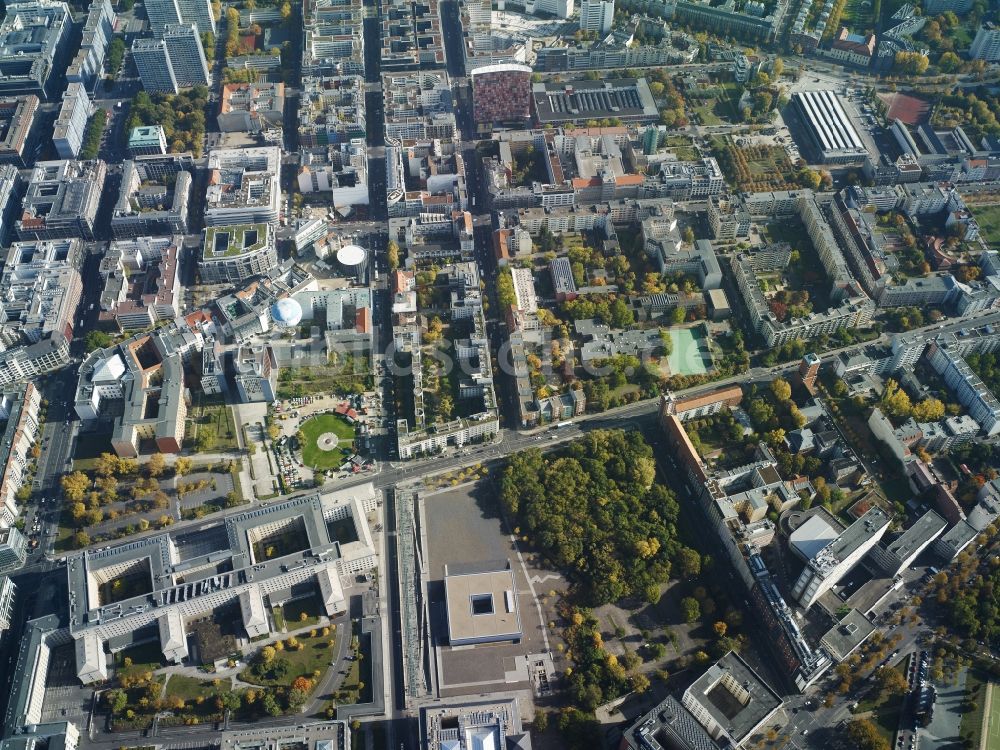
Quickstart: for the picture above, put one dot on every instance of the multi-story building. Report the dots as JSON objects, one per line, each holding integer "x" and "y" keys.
{"x": 153, "y": 63}
{"x": 835, "y": 560}
{"x": 34, "y": 36}
{"x": 8, "y": 597}
{"x": 13, "y": 548}
{"x": 19, "y": 408}
{"x": 597, "y": 16}
{"x": 40, "y": 288}
{"x": 980, "y": 402}
{"x": 333, "y": 43}
{"x": 331, "y": 110}
{"x": 17, "y": 136}
{"x": 199, "y": 14}
{"x": 466, "y": 724}
{"x": 62, "y": 200}
{"x": 441, "y": 177}
{"x": 88, "y": 65}
{"x": 411, "y": 36}
{"x": 418, "y": 105}
{"x": 154, "y": 195}
{"x": 341, "y": 170}
{"x": 162, "y": 13}
{"x": 934, "y": 7}
{"x": 501, "y": 94}
{"x": 147, "y": 140}
{"x": 71, "y": 122}
{"x": 187, "y": 56}
{"x": 832, "y": 136}
{"x": 244, "y": 186}
{"x": 728, "y": 218}
{"x": 986, "y": 45}
{"x": 251, "y": 107}
{"x": 626, "y": 99}
{"x": 141, "y": 282}
{"x": 252, "y": 583}
{"x": 139, "y": 385}
{"x": 255, "y": 373}
{"x": 854, "y": 49}
{"x": 233, "y": 254}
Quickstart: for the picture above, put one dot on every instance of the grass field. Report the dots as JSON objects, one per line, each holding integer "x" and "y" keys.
{"x": 989, "y": 223}
{"x": 993, "y": 720}
{"x": 188, "y": 689}
{"x": 682, "y": 147}
{"x": 314, "y": 655}
{"x": 317, "y": 458}
{"x": 212, "y": 424}
{"x": 976, "y": 688}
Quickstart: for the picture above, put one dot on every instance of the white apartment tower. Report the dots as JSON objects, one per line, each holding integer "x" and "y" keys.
{"x": 153, "y": 63}
{"x": 986, "y": 45}
{"x": 597, "y": 15}
{"x": 187, "y": 56}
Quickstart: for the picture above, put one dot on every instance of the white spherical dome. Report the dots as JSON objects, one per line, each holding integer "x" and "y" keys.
{"x": 286, "y": 312}
{"x": 351, "y": 255}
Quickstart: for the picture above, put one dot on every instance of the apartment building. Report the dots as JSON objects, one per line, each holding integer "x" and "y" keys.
{"x": 40, "y": 289}
{"x": 251, "y": 107}
{"x": 19, "y": 408}
{"x": 88, "y": 65}
{"x": 981, "y": 403}
{"x": 418, "y": 106}
{"x": 597, "y": 16}
{"x": 331, "y": 110}
{"x": 411, "y": 36}
{"x": 71, "y": 122}
{"x": 333, "y": 43}
{"x": 986, "y": 45}
{"x": 17, "y": 129}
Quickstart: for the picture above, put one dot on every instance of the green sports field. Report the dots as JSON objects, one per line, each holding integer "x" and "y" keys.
{"x": 993, "y": 719}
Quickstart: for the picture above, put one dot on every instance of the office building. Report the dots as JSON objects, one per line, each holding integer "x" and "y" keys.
{"x": 233, "y": 254}
{"x": 13, "y": 549}
{"x": 627, "y": 99}
{"x": 325, "y": 735}
{"x": 986, "y": 45}
{"x": 187, "y": 56}
{"x": 163, "y": 578}
{"x": 62, "y": 200}
{"x": 153, "y": 63}
{"x": 482, "y": 724}
{"x": 255, "y": 373}
{"x": 831, "y": 134}
{"x": 981, "y": 403}
{"x": 934, "y": 7}
{"x": 162, "y": 13}
{"x": 482, "y": 607}
{"x": 199, "y": 14}
{"x": 34, "y": 36}
{"x": 597, "y": 16}
{"x": 8, "y": 597}
{"x": 147, "y": 140}
{"x": 501, "y": 94}
{"x": 243, "y": 186}
{"x": 17, "y": 129}
{"x": 71, "y": 123}
{"x": 836, "y": 559}
{"x": 731, "y": 701}
{"x": 153, "y": 197}
{"x": 19, "y": 408}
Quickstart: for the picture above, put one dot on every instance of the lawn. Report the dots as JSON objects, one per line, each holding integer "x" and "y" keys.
{"x": 188, "y": 688}
{"x": 989, "y": 223}
{"x": 857, "y": 16}
{"x": 279, "y": 618}
{"x": 316, "y": 457}
{"x": 145, "y": 657}
{"x": 682, "y": 147}
{"x": 345, "y": 373}
{"x": 212, "y": 424}
{"x": 308, "y": 606}
{"x": 315, "y": 654}
{"x": 993, "y": 727}
{"x": 885, "y": 713}
{"x": 972, "y": 721}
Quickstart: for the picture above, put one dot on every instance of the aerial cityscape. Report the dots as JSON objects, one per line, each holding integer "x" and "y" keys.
{"x": 500, "y": 374}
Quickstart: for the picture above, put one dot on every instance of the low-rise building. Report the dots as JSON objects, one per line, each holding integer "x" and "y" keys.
{"x": 147, "y": 140}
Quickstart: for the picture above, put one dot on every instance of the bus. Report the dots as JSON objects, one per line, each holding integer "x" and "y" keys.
{"x": 563, "y": 424}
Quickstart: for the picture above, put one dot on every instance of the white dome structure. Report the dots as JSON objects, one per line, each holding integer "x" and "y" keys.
{"x": 351, "y": 255}
{"x": 286, "y": 313}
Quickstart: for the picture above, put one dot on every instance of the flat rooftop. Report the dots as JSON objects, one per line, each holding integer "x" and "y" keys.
{"x": 854, "y": 536}
{"x": 482, "y": 607}
{"x": 623, "y": 98}
{"x": 735, "y": 696}
{"x": 847, "y": 635}
{"x": 924, "y": 530}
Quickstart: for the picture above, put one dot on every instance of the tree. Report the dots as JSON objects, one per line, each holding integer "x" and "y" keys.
{"x": 640, "y": 683}
{"x": 81, "y": 539}
{"x": 890, "y": 682}
{"x": 720, "y": 628}
{"x": 895, "y": 402}
{"x": 271, "y": 706}
{"x": 97, "y": 340}
{"x": 267, "y": 655}
{"x": 156, "y": 465}
{"x": 541, "y": 721}
{"x": 781, "y": 389}
{"x": 75, "y": 485}
{"x": 182, "y": 466}
{"x": 117, "y": 700}
{"x": 677, "y": 315}
{"x": 928, "y": 410}
{"x": 865, "y": 735}
{"x": 688, "y": 562}
{"x": 392, "y": 255}
{"x": 690, "y": 608}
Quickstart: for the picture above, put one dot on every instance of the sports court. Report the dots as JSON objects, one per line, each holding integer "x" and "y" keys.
{"x": 690, "y": 355}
